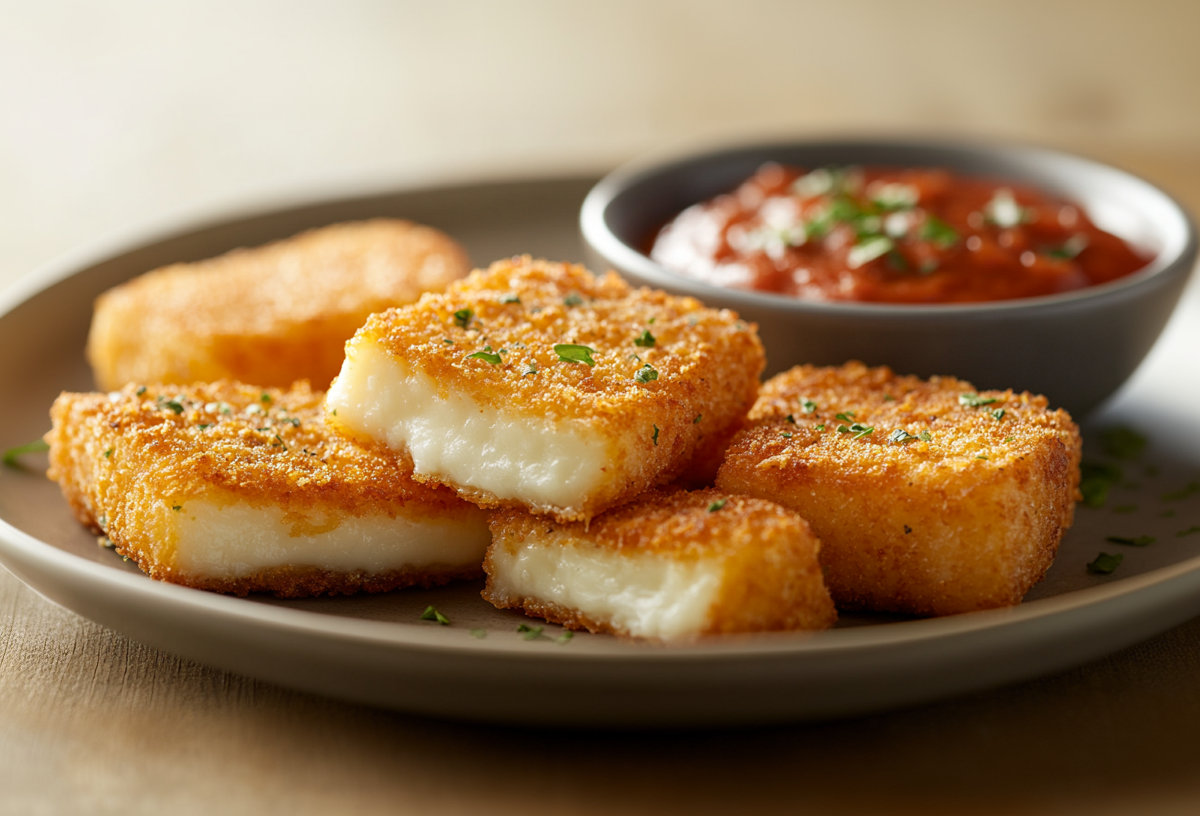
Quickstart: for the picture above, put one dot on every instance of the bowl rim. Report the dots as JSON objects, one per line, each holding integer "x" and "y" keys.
{"x": 1178, "y": 260}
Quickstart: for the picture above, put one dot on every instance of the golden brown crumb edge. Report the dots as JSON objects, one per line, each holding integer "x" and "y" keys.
{"x": 271, "y": 314}
{"x": 662, "y": 380}
{"x": 771, "y": 578}
{"x": 929, "y": 497}
{"x": 127, "y": 461}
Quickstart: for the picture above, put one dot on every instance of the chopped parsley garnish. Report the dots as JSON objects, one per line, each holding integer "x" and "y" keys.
{"x": 447, "y": 341}
{"x": 1095, "y": 482}
{"x": 1188, "y": 489}
{"x": 265, "y": 397}
{"x": 463, "y": 317}
{"x": 975, "y": 401}
{"x": 655, "y": 437}
{"x": 529, "y": 632}
{"x": 1105, "y": 563}
{"x": 1070, "y": 249}
{"x": 645, "y": 340}
{"x": 717, "y": 505}
{"x": 820, "y": 427}
{"x": 572, "y": 299}
{"x": 808, "y": 405}
{"x": 998, "y": 414}
{"x": 486, "y": 356}
{"x": 279, "y": 441}
{"x": 174, "y": 405}
{"x": 981, "y": 456}
{"x": 858, "y": 429}
{"x": 868, "y": 249}
{"x": 1122, "y": 443}
{"x": 845, "y": 416}
{"x": 571, "y": 353}
{"x": 696, "y": 421}
{"x": 564, "y": 638}
{"x": 141, "y": 390}
{"x": 1008, "y": 439}
{"x": 646, "y": 373}
{"x": 529, "y": 369}
{"x": 479, "y": 634}
{"x": 431, "y": 614}
{"x": 786, "y": 434}
{"x": 901, "y": 437}
{"x": 938, "y": 231}
{"x": 108, "y": 453}
{"x": 888, "y": 398}
{"x": 295, "y": 423}
{"x": 36, "y": 446}
{"x": 1140, "y": 541}
{"x": 925, "y": 436}
{"x": 511, "y": 299}
{"x": 790, "y": 419}
{"x": 176, "y": 507}
{"x": 1189, "y": 531}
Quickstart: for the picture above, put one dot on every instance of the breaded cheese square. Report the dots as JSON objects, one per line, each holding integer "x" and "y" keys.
{"x": 929, "y": 497}
{"x": 269, "y": 315}
{"x": 540, "y": 385}
{"x": 238, "y": 489}
{"x": 670, "y": 565}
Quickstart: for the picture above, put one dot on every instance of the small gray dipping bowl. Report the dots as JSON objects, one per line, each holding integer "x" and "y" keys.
{"x": 1076, "y": 348}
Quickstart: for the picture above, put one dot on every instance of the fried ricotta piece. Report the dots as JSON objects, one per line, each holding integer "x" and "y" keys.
{"x": 670, "y": 565}
{"x": 540, "y": 385}
{"x": 238, "y": 489}
{"x": 269, "y": 315}
{"x": 929, "y": 498}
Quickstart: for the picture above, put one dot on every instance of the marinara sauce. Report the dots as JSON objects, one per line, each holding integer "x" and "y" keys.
{"x": 891, "y": 236}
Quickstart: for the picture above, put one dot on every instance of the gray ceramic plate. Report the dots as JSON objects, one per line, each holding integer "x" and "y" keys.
{"x": 374, "y": 649}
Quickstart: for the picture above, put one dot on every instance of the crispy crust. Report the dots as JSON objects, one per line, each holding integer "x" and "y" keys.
{"x": 771, "y": 575}
{"x": 123, "y": 460}
{"x": 923, "y": 527}
{"x": 268, "y": 315}
{"x": 707, "y": 361}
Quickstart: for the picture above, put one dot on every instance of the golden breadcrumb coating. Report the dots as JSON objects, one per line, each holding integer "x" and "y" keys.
{"x": 129, "y": 463}
{"x": 953, "y": 501}
{"x": 269, "y": 315}
{"x": 670, "y": 384}
{"x": 767, "y": 557}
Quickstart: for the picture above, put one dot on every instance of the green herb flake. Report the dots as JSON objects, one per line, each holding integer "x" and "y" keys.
{"x": 487, "y": 357}
{"x": 645, "y": 340}
{"x": 1189, "y": 531}
{"x": 645, "y": 374}
{"x": 572, "y": 299}
{"x": 808, "y": 405}
{"x": 925, "y": 436}
{"x": 174, "y": 405}
{"x": 564, "y": 638}
{"x": 1122, "y": 443}
{"x": 786, "y": 434}
{"x": 447, "y": 341}
{"x": 819, "y": 428}
{"x": 696, "y": 421}
{"x": 1189, "y": 489}
{"x": 791, "y": 419}
{"x": 479, "y": 634}
{"x": 981, "y": 456}
{"x": 1105, "y": 563}
{"x": 717, "y": 505}
{"x": 176, "y": 507}
{"x": 36, "y": 446}
{"x": 998, "y": 414}
{"x": 1008, "y": 439}
{"x": 858, "y": 429}
{"x": 571, "y": 353}
{"x": 888, "y": 398}
{"x": 511, "y": 299}
{"x": 463, "y": 317}
{"x": 530, "y": 632}
{"x": 655, "y": 437}
{"x": 901, "y": 437}
{"x": 869, "y": 249}
{"x": 335, "y": 411}
{"x": 431, "y": 614}
{"x": 141, "y": 390}
{"x": 264, "y": 397}
{"x": 975, "y": 401}
{"x": 108, "y": 453}
{"x": 529, "y": 369}
{"x": 1140, "y": 541}
{"x": 938, "y": 231}
{"x": 845, "y": 416}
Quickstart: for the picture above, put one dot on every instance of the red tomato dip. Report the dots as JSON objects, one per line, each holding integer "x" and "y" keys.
{"x": 891, "y": 236}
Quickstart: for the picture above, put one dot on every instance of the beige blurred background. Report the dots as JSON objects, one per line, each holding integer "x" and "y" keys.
{"x": 115, "y": 113}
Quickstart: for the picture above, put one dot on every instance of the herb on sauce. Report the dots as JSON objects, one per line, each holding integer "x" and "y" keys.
{"x": 1095, "y": 482}
{"x": 717, "y": 505}
{"x": 645, "y": 374}
{"x": 645, "y": 340}
{"x": 938, "y": 231}
{"x": 431, "y": 614}
{"x": 1140, "y": 541}
{"x": 571, "y": 353}
{"x": 867, "y": 250}
{"x": 1105, "y": 563}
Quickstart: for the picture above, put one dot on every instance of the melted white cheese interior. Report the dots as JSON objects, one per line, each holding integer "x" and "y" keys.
{"x": 461, "y": 442}
{"x": 646, "y": 595}
{"x": 236, "y": 540}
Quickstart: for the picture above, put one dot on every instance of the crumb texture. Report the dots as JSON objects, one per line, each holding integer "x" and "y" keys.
{"x": 929, "y": 497}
